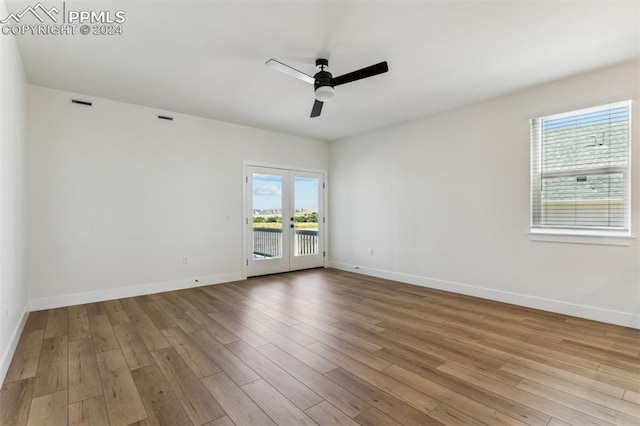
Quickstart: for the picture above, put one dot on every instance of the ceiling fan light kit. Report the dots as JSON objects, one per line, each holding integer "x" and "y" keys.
{"x": 324, "y": 82}
{"x": 323, "y": 88}
{"x": 324, "y": 93}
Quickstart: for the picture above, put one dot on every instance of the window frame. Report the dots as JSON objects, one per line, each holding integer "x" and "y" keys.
{"x": 538, "y": 231}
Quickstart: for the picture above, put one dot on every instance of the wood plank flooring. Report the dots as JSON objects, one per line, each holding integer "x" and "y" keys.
{"x": 319, "y": 347}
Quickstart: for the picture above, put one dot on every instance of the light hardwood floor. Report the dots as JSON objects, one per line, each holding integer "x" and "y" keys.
{"x": 319, "y": 347}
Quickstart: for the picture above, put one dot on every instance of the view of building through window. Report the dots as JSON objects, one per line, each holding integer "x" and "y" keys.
{"x": 580, "y": 169}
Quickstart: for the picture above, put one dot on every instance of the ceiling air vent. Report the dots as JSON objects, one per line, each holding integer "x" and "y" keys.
{"x": 76, "y": 101}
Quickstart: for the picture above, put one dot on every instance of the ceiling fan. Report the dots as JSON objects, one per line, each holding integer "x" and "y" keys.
{"x": 323, "y": 82}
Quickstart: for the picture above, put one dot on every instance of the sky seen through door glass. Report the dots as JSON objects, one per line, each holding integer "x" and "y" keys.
{"x": 267, "y": 192}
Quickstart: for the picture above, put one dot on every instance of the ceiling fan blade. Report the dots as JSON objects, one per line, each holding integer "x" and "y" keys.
{"x": 370, "y": 71}
{"x": 279, "y": 66}
{"x": 317, "y": 108}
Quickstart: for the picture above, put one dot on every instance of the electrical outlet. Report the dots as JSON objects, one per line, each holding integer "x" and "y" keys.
{"x": 370, "y": 252}
{"x": 185, "y": 259}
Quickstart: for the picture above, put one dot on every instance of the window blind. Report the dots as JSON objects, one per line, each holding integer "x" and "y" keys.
{"x": 580, "y": 173}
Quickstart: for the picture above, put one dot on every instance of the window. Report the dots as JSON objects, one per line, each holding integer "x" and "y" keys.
{"x": 580, "y": 171}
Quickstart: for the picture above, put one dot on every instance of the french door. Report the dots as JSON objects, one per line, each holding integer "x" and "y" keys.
{"x": 285, "y": 220}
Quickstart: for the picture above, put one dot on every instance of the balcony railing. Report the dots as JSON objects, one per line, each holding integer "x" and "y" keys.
{"x": 267, "y": 242}
{"x": 306, "y": 242}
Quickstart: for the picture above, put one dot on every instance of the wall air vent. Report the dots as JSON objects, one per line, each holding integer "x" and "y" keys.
{"x": 76, "y": 101}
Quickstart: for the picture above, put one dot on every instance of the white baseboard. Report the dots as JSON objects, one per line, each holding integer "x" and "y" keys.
{"x": 41, "y": 303}
{"x": 7, "y": 356}
{"x": 626, "y": 319}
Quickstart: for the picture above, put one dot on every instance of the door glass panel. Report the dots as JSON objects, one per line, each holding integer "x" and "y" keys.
{"x": 306, "y": 193}
{"x": 267, "y": 216}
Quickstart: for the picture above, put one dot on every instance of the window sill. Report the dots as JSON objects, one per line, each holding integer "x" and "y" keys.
{"x": 577, "y": 237}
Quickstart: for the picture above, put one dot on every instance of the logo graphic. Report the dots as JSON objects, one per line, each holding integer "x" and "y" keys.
{"x": 71, "y": 21}
{"x": 34, "y": 11}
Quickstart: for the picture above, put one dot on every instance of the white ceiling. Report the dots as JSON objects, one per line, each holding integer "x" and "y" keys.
{"x": 206, "y": 58}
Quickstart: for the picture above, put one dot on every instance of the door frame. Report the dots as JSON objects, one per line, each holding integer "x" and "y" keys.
{"x": 247, "y": 201}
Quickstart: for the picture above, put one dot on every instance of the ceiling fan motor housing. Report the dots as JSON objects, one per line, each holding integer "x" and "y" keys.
{"x": 322, "y": 86}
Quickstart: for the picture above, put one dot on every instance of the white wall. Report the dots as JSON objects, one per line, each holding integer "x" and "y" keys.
{"x": 117, "y": 197}
{"x": 443, "y": 201}
{"x": 13, "y": 142}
